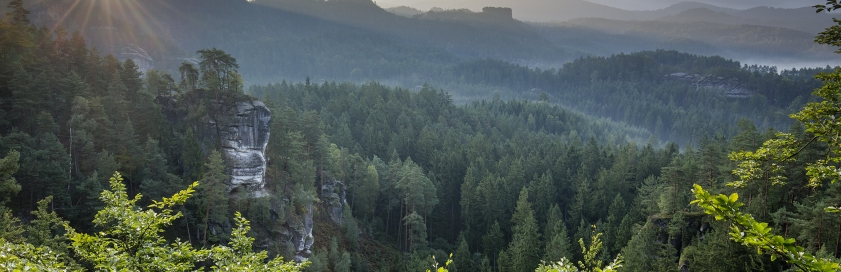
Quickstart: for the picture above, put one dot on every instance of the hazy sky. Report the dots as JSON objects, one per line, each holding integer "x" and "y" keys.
{"x": 624, "y": 4}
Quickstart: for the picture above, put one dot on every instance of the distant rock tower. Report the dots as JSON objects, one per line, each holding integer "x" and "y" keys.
{"x": 497, "y": 12}
{"x": 139, "y": 56}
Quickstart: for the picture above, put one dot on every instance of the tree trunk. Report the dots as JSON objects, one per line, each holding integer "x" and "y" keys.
{"x": 190, "y": 237}
{"x": 837, "y": 240}
{"x": 820, "y": 230}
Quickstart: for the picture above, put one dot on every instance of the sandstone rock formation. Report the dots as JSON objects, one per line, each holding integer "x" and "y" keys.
{"x": 729, "y": 87}
{"x": 333, "y": 197}
{"x": 243, "y": 133}
{"x": 298, "y": 232}
{"x": 236, "y": 124}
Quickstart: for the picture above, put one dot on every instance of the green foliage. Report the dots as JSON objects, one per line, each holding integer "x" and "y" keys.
{"x": 441, "y": 268}
{"x": 558, "y": 245}
{"x": 131, "y": 237}
{"x": 318, "y": 261}
{"x": 350, "y": 227}
{"x": 770, "y": 161}
{"x": 192, "y": 156}
{"x": 238, "y": 256}
{"x": 462, "y": 259}
{"x": 10, "y": 228}
{"x": 590, "y": 262}
{"x": 468, "y": 160}
{"x": 212, "y": 197}
{"x": 8, "y": 185}
{"x": 189, "y": 76}
{"x": 749, "y": 232}
{"x": 18, "y": 14}
{"x": 646, "y": 252}
{"x": 218, "y": 71}
{"x": 343, "y": 264}
{"x": 526, "y": 237}
{"x": 26, "y": 257}
{"x": 45, "y": 229}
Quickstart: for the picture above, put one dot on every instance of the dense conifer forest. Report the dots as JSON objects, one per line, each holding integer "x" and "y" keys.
{"x": 610, "y": 163}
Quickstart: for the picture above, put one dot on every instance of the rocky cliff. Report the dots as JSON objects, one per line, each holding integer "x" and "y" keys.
{"x": 235, "y": 124}
{"x": 243, "y": 134}
{"x": 723, "y": 86}
{"x": 238, "y": 126}
{"x": 333, "y": 197}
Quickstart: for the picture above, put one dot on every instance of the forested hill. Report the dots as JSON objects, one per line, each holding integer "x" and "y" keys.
{"x": 367, "y": 177}
{"x": 358, "y": 41}
{"x": 71, "y": 116}
{"x": 507, "y": 184}
{"x": 295, "y": 38}
{"x": 678, "y": 96}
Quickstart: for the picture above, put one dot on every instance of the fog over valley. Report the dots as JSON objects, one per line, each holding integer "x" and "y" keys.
{"x": 420, "y": 135}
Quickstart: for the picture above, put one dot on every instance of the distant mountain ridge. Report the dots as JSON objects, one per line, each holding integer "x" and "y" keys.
{"x": 355, "y": 40}
{"x": 802, "y": 18}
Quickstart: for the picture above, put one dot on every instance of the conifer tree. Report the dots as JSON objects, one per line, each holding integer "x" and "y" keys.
{"x": 522, "y": 250}
{"x": 18, "y": 14}
{"x": 189, "y": 76}
{"x": 558, "y": 245}
{"x": 492, "y": 243}
{"x": 192, "y": 156}
{"x": 462, "y": 258}
{"x": 10, "y": 228}
{"x": 212, "y": 197}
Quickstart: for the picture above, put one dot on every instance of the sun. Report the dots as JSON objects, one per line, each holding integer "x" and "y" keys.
{"x": 112, "y": 14}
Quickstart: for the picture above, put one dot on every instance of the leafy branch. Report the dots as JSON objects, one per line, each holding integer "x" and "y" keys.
{"x": 749, "y": 232}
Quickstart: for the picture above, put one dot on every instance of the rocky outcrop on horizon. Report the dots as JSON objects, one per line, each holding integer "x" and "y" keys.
{"x": 723, "y": 86}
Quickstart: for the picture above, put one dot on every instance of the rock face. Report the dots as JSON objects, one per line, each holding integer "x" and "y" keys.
{"x": 139, "y": 56}
{"x": 243, "y": 133}
{"x": 729, "y": 87}
{"x": 297, "y": 229}
{"x": 237, "y": 124}
{"x": 298, "y": 232}
{"x": 333, "y": 197}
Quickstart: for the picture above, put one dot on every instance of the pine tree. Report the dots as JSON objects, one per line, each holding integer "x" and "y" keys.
{"x": 493, "y": 243}
{"x": 558, "y": 245}
{"x": 189, "y": 76}
{"x": 462, "y": 258}
{"x": 525, "y": 256}
{"x": 18, "y": 14}
{"x": 544, "y": 194}
{"x": 192, "y": 156}
{"x": 419, "y": 197}
{"x": 553, "y": 217}
{"x": 646, "y": 253}
{"x": 8, "y": 185}
{"x": 615, "y": 213}
{"x": 47, "y": 230}
{"x": 10, "y": 228}
{"x": 212, "y": 197}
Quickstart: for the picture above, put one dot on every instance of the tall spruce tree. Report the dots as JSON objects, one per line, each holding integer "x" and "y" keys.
{"x": 524, "y": 254}
{"x": 212, "y": 197}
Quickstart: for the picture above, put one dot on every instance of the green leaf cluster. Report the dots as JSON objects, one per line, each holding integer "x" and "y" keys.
{"x": 750, "y": 232}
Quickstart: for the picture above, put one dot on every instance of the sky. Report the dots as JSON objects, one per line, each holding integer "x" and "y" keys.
{"x": 623, "y": 4}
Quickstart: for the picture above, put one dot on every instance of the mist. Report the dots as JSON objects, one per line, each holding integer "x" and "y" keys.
{"x": 542, "y": 10}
